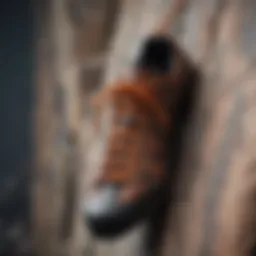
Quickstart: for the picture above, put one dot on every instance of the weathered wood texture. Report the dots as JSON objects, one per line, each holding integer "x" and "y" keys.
{"x": 63, "y": 58}
{"x": 42, "y": 217}
{"x": 209, "y": 214}
{"x": 212, "y": 211}
{"x": 215, "y": 211}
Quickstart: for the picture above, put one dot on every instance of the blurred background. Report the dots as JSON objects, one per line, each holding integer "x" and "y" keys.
{"x": 54, "y": 55}
{"x": 17, "y": 101}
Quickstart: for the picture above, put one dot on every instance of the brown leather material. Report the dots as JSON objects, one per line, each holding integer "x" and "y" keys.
{"x": 143, "y": 109}
{"x": 136, "y": 145}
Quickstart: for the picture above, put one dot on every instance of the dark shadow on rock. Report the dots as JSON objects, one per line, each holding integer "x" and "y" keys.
{"x": 183, "y": 117}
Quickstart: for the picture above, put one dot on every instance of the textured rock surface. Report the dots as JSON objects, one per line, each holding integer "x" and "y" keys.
{"x": 216, "y": 187}
{"x": 213, "y": 212}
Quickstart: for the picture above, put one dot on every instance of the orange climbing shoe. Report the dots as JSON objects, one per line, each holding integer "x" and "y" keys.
{"x": 134, "y": 165}
{"x": 134, "y": 122}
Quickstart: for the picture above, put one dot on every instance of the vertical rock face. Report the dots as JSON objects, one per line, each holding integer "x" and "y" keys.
{"x": 61, "y": 51}
{"x": 217, "y": 156}
{"x": 212, "y": 212}
{"x": 215, "y": 206}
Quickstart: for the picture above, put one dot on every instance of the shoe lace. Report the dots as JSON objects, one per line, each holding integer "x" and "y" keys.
{"x": 136, "y": 150}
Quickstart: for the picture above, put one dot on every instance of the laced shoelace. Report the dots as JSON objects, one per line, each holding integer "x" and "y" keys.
{"x": 135, "y": 153}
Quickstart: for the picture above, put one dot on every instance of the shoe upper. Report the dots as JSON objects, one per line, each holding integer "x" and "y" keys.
{"x": 133, "y": 120}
